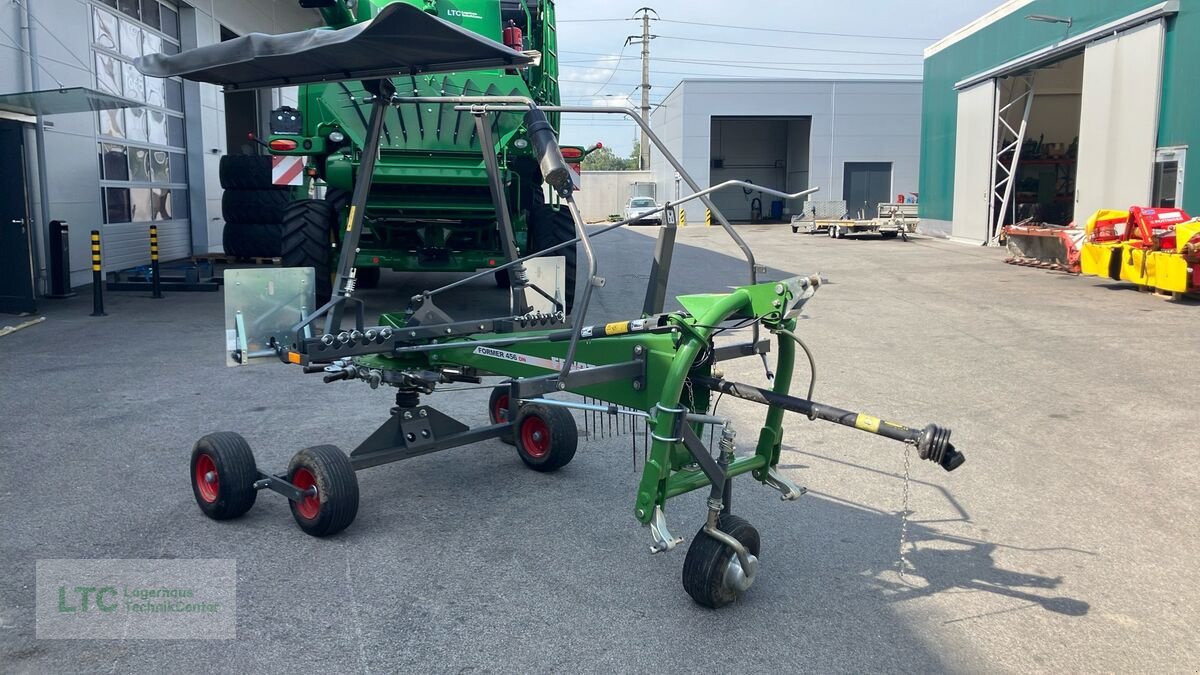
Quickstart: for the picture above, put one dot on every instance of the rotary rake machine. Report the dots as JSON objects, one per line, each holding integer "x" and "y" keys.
{"x": 657, "y": 366}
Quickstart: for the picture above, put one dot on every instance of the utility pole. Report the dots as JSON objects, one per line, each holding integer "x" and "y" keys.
{"x": 644, "y": 41}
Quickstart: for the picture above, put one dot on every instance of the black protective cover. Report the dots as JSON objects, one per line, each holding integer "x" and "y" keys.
{"x": 400, "y": 40}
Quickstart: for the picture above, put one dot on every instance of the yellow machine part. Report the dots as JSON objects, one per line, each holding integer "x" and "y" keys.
{"x": 1104, "y": 214}
{"x": 1161, "y": 270}
{"x": 1185, "y": 232}
{"x": 1096, "y": 259}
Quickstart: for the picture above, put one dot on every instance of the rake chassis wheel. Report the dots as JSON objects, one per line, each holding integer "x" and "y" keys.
{"x": 546, "y": 436}
{"x": 223, "y": 474}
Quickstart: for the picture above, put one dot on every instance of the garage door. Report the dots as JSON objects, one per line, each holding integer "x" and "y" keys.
{"x": 973, "y": 161}
{"x": 1118, "y": 122}
{"x": 866, "y": 185}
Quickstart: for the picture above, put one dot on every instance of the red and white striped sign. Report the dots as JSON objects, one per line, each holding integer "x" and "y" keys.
{"x": 287, "y": 169}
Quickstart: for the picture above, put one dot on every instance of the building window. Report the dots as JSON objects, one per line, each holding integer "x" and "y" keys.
{"x": 1168, "y": 177}
{"x": 141, "y": 150}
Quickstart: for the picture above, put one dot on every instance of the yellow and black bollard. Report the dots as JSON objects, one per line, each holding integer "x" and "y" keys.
{"x": 708, "y": 217}
{"x": 682, "y": 218}
{"x": 154, "y": 280}
{"x": 97, "y": 277}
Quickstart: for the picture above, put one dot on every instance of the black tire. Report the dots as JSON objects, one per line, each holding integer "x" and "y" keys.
{"x": 546, "y": 436}
{"x": 338, "y": 199}
{"x": 307, "y": 233}
{"x": 498, "y": 410}
{"x": 367, "y": 277}
{"x": 548, "y": 227}
{"x": 229, "y": 492}
{"x": 335, "y": 505}
{"x": 245, "y": 172}
{"x": 707, "y": 559}
{"x": 795, "y": 229}
{"x": 254, "y": 206}
{"x": 889, "y": 234}
{"x": 252, "y": 240}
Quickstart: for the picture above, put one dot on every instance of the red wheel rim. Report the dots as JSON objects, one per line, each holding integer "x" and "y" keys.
{"x": 208, "y": 484}
{"x": 535, "y": 437}
{"x": 310, "y": 506}
{"x": 500, "y": 411}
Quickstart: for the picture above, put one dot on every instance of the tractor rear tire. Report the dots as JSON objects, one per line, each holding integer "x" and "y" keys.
{"x": 707, "y": 560}
{"x": 223, "y": 475}
{"x": 547, "y": 227}
{"x": 252, "y": 240}
{"x": 308, "y": 230}
{"x": 546, "y": 436}
{"x": 335, "y": 503}
{"x": 254, "y": 206}
{"x": 245, "y": 172}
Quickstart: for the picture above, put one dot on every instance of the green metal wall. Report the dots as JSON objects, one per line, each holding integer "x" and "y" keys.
{"x": 1014, "y": 36}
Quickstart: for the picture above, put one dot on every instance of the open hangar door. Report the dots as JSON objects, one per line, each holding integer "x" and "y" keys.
{"x": 1060, "y": 136}
{"x": 768, "y": 151}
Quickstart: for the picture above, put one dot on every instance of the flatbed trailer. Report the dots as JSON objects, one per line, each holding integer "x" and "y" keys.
{"x": 895, "y": 219}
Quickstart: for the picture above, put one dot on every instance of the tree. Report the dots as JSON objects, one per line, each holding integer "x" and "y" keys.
{"x": 604, "y": 159}
{"x": 635, "y": 155}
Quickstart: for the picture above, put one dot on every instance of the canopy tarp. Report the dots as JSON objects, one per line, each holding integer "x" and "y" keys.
{"x": 400, "y": 40}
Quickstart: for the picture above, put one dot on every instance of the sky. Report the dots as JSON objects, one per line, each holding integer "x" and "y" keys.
{"x": 736, "y": 38}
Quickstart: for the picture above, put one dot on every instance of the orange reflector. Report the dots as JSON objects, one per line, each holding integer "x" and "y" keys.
{"x": 283, "y": 144}
{"x": 293, "y": 357}
{"x": 569, "y": 152}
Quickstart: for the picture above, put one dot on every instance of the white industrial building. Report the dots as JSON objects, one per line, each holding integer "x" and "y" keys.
{"x": 120, "y": 171}
{"x": 857, "y": 140}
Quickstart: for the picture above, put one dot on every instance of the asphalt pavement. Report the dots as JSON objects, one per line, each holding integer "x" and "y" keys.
{"x": 1066, "y": 543}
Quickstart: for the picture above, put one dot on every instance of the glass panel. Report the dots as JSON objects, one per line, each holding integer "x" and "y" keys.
{"x": 170, "y": 22}
{"x": 151, "y": 43}
{"x": 131, "y": 39}
{"x": 150, "y": 15}
{"x": 154, "y": 92}
{"x": 170, "y": 47}
{"x": 139, "y": 204}
{"x": 104, "y": 28}
{"x": 178, "y": 168}
{"x": 135, "y": 83}
{"x": 1166, "y": 179}
{"x": 108, "y": 74}
{"x": 175, "y": 132}
{"x": 116, "y": 205}
{"x": 112, "y": 123}
{"x": 159, "y": 172}
{"x": 139, "y": 165}
{"x": 179, "y": 205}
{"x": 130, "y": 7}
{"x": 135, "y": 124}
{"x": 110, "y": 3}
{"x": 160, "y": 204}
{"x": 158, "y": 127}
{"x": 115, "y": 161}
{"x": 65, "y": 100}
{"x": 174, "y": 94}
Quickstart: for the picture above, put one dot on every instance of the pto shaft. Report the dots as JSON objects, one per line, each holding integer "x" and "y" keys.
{"x": 932, "y": 442}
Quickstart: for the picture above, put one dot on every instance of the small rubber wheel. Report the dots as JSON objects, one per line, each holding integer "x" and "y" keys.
{"x": 546, "y": 436}
{"x": 334, "y": 503}
{"x": 367, "y": 277}
{"x": 498, "y": 410}
{"x": 223, "y": 475}
{"x": 708, "y": 560}
{"x": 890, "y": 234}
{"x": 795, "y": 229}
{"x": 829, "y": 231}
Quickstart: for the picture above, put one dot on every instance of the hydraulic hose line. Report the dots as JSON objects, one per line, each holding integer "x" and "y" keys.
{"x": 932, "y": 442}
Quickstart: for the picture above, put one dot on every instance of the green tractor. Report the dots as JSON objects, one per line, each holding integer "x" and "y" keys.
{"x": 429, "y": 207}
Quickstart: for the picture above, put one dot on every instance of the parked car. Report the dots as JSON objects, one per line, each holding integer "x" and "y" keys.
{"x": 639, "y": 206}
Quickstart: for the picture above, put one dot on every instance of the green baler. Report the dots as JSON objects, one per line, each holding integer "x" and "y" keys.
{"x": 429, "y": 206}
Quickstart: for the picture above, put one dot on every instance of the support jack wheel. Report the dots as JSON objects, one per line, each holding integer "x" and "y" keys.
{"x": 712, "y": 573}
{"x": 546, "y": 436}
{"x": 223, "y": 475}
{"x": 325, "y": 473}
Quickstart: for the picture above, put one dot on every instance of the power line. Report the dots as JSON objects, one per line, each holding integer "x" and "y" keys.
{"x": 806, "y": 49}
{"x": 794, "y": 70}
{"x": 728, "y": 62}
{"x": 802, "y": 32}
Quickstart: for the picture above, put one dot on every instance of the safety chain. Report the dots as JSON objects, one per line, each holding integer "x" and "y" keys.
{"x": 904, "y": 515}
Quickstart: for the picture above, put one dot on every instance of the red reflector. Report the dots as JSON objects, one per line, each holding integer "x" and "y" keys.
{"x": 572, "y": 153}
{"x": 375, "y": 260}
{"x": 283, "y": 144}
{"x": 492, "y": 263}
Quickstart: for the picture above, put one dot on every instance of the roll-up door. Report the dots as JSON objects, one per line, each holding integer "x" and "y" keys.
{"x": 973, "y": 161}
{"x": 1118, "y": 123}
